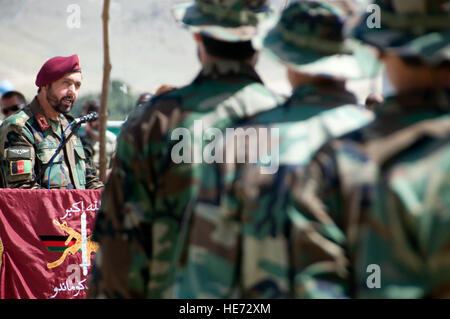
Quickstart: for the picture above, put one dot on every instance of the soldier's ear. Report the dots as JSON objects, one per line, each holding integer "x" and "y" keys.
{"x": 380, "y": 54}
{"x": 197, "y": 37}
{"x": 45, "y": 88}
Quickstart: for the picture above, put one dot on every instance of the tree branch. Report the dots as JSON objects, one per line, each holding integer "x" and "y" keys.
{"x": 105, "y": 86}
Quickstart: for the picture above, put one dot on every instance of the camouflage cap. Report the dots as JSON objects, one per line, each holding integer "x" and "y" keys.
{"x": 415, "y": 28}
{"x": 310, "y": 38}
{"x": 225, "y": 20}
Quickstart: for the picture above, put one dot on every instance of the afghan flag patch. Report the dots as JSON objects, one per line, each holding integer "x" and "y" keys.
{"x": 20, "y": 167}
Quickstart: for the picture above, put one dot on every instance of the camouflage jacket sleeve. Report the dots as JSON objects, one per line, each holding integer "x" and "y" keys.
{"x": 118, "y": 233}
{"x": 19, "y": 158}
{"x": 123, "y": 223}
{"x": 320, "y": 259}
{"x": 87, "y": 145}
{"x": 92, "y": 179}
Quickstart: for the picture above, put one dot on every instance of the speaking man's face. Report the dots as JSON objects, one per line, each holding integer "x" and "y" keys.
{"x": 63, "y": 93}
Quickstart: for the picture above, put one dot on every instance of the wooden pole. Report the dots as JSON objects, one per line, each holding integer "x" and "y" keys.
{"x": 105, "y": 86}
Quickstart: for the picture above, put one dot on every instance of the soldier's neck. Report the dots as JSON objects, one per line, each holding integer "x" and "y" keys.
{"x": 407, "y": 78}
{"x": 48, "y": 109}
{"x": 301, "y": 79}
{"x": 206, "y": 58}
{"x": 209, "y": 59}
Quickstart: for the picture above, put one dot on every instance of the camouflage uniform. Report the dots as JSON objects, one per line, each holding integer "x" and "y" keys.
{"x": 28, "y": 139}
{"x": 239, "y": 240}
{"x": 376, "y": 202}
{"x": 148, "y": 198}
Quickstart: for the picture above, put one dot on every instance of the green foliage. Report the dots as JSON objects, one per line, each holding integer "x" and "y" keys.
{"x": 121, "y": 101}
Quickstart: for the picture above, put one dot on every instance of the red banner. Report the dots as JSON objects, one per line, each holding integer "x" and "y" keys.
{"x": 45, "y": 246}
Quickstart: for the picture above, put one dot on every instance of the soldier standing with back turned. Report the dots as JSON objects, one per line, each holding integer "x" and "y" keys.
{"x": 240, "y": 245}
{"x": 149, "y": 196}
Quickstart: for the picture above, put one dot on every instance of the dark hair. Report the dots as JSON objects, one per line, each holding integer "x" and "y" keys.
{"x": 242, "y": 50}
{"x": 11, "y": 94}
{"x": 144, "y": 97}
{"x": 91, "y": 106}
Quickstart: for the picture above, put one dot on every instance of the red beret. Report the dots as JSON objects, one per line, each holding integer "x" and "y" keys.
{"x": 56, "y": 68}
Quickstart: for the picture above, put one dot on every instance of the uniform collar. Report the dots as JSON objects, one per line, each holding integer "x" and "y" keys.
{"x": 323, "y": 95}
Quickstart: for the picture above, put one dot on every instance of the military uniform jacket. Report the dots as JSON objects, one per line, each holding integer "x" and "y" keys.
{"x": 374, "y": 206}
{"x": 28, "y": 140}
{"x": 239, "y": 240}
{"x": 150, "y": 193}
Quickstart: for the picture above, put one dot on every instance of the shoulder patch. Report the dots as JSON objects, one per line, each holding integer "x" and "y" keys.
{"x": 20, "y": 167}
{"x": 19, "y": 118}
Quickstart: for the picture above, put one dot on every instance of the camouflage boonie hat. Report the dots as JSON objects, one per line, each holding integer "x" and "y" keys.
{"x": 414, "y": 28}
{"x": 225, "y": 20}
{"x": 310, "y": 38}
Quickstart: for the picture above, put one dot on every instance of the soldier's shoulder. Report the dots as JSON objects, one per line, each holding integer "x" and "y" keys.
{"x": 204, "y": 94}
{"x": 258, "y": 94}
{"x": 161, "y": 105}
{"x": 170, "y": 106}
{"x": 15, "y": 122}
{"x": 183, "y": 97}
{"x": 18, "y": 119}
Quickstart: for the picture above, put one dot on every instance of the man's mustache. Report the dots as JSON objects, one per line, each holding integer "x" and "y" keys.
{"x": 71, "y": 98}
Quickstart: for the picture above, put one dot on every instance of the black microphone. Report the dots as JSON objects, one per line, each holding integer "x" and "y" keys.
{"x": 87, "y": 118}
